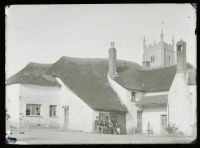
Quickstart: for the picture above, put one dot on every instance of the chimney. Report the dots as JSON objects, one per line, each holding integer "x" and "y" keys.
{"x": 112, "y": 61}
{"x": 146, "y": 64}
{"x": 181, "y": 56}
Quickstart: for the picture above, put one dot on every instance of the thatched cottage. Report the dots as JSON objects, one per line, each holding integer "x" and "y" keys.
{"x": 73, "y": 92}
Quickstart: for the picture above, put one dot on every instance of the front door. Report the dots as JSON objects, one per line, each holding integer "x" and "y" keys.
{"x": 139, "y": 121}
{"x": 121, "y": 121}
{"x": 66, "y": 118}
{"x": 163, "y": 124}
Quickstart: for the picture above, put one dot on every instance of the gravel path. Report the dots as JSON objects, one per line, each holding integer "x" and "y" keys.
{"x": 67, "y": 137}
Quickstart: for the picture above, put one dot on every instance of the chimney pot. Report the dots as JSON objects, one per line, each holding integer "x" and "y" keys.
{"x": 181, "y": 56}
{"x": 112, "y": 61}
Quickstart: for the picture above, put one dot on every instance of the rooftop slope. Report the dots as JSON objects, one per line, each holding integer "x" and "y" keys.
{"x": 153, "y": 100}
{"x": 158, "y": 79}
{"x": 34, "y": 73}
{"x": 88, "y": 79}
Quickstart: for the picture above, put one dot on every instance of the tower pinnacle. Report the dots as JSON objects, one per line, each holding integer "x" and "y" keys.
{"x": 173, "y": 42}
{"x": 112, "y": 44}
{"x": 144, "y": 42}
{"x": 161, "y": 36}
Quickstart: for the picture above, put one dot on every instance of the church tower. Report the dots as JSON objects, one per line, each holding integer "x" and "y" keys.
{"x": 159, "y": 54}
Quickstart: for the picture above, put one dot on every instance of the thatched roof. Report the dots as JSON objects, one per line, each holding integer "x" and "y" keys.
{"x": 153, "y": 100}
{"x": 34, "y": 73}
{"x": 157, "y": 79}
{"x": 87, "y": 78}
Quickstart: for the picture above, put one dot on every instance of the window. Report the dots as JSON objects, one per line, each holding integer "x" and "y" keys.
{"x": 103, "y": 116}
{"x": 179, "y": 48}
{"x": 52, "y": 110}
{"x": 33, "y": 109}
{"x": 132, "y": 96}
{"x": 169, "y": 59}
{"x": 152, "y": 59}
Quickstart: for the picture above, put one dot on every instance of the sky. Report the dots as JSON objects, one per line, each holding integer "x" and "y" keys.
{"x": 44, "y": 33}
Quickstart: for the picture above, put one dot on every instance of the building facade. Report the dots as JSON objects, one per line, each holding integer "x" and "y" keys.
{"x": 73, "y": 93}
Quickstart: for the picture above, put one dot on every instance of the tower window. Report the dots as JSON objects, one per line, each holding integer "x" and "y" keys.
{"x": 152, "y": 59}
{"x": 179, "y": 48}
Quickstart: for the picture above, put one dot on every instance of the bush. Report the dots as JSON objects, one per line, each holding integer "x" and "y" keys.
{"x": 171, "y": 129}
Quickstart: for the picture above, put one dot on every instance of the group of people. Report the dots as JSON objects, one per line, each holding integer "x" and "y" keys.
{"x": 107, "y": 126}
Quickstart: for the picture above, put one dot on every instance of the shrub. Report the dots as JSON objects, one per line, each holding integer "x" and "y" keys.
{"x": 171, "y": 129}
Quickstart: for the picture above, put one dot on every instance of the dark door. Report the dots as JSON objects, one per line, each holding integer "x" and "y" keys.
{"x": 121, "y": 121}
{"x": 163, "y": 123}
{"x": 139, "y": 121}
{"x": 66, "y": 118}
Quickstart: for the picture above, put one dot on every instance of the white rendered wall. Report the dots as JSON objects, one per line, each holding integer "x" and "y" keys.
{"x": 193, "y": 109}
{"x": 44, "y": 95}
{"x": 125, "y": 98}
{"x": 81, "y": 116}
{"x": 180, "y": 105}
{"x": 12, "y": 104}
{"x": 153, "y": 114}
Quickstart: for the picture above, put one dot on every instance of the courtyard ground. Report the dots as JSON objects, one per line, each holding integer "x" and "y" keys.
{"x": 58, "y": 136}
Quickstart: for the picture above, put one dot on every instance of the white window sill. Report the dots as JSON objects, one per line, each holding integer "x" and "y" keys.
{"x": 37, "y": 116}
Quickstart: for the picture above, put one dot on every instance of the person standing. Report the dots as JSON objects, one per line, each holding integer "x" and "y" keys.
{"x": 111, "y": 131}
{"x": 8, "y": 127}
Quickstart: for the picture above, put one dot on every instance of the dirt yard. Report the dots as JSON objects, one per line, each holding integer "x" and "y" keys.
{"x": 51, "y": 136}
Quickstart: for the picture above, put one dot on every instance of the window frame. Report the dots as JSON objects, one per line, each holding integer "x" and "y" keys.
{"x": 133, "y": 98}
{"x": 52, "y": 111}
{"x": 33, "y": 109}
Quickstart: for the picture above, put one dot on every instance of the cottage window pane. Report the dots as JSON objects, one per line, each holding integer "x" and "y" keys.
{"x": 33, "y": 109}
{"x": 28, "y": 112}
{"x": 52, "y": 110}
{"x": 37, "y": 110}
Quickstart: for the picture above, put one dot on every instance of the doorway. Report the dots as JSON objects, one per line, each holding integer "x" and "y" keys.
{"x": 139, "y": 121}
{"x": 66, "y": 117}
{"x": 163, "y": 124}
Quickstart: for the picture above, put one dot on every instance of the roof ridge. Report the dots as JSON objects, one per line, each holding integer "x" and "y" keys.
{"x": 38, "y": 64}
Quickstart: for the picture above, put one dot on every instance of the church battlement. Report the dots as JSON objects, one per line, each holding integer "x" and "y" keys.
{"x": 159, "y": 54}
{"x": 155, "y": 45}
